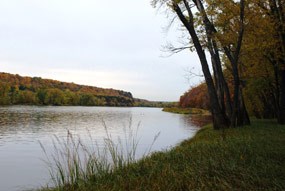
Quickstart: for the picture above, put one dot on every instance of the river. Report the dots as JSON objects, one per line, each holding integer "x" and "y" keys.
{"x": 23, "y": 128}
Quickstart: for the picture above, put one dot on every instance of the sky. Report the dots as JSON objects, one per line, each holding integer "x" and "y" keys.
{"x": 110, "y": 44}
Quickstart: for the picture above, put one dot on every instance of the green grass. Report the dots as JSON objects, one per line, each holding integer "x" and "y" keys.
{"x": 180, "y": 110}
{"x": 248, "y": 158}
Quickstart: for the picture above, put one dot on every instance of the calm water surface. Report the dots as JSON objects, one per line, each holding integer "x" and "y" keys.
{"x": 22, "y": 165}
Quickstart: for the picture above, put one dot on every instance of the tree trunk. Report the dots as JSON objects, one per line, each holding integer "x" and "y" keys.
{"x": 243, "y": 117}
{"x": 218, "y": 115}
{"x": 233, "y": 58}
{"x": 235, "y": 112}
{"x": 281, "y": 115}
{"x": 276, "y": 7}
{"x": 216, "y": 63}
{"x": 225, "y": 88}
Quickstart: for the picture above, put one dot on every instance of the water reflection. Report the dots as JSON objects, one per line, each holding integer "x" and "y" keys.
{"x": 195, "y": 120}
{"x": 22, "y": 127}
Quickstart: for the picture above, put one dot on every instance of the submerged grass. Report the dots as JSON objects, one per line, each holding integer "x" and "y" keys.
{"x": 248, "y": 158}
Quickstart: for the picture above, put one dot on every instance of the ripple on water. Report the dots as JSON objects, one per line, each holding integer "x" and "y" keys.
{"x": 23, "y": 127}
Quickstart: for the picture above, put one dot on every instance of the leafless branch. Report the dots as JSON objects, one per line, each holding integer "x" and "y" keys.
{"x": 175, "y": 50}
{"x": 190, "y": 74}
{"x": 170, "y": 49}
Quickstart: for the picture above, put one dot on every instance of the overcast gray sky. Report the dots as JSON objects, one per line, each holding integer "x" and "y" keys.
{"x": 111, "y": 44}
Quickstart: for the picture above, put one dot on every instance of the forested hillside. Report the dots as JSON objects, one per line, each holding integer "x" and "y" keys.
{"x": 15, "y": 89}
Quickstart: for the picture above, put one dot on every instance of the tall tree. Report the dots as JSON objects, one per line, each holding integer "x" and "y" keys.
{"x": 185, "y": 14}
{"x": 4, "y": 93}
{"x": 217, "y": 88}
{"x": 227, "y": 24}
{"x": 264, "y": 45}
{"x": 277, "y": 12}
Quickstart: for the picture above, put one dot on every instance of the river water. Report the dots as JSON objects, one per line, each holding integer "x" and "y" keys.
{"x": 23, "y": 128}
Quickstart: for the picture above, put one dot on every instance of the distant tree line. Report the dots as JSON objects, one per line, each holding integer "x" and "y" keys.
{"x": 146, "y": 103}
{"x": 15, "y": 89}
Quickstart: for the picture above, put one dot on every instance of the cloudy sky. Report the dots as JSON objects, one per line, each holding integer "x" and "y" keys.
{"x": 110, "y": 44}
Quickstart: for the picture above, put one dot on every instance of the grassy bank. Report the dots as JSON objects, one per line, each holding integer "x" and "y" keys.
{"x": 249, "y": 158}
{"x": 180, "y": 110}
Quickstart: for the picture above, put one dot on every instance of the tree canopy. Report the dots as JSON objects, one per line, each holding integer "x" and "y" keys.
{"x": 246, "y": 43}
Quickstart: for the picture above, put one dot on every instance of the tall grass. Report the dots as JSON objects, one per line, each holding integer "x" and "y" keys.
{"x": 75, "y": 163}
{"x": 249, "y": 158}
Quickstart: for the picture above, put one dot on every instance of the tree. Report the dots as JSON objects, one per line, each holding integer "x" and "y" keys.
{"x": 14, "y": 94}
{"x": 72, "y": 98}
{"x": 4, "y": 94}
{"x": 183, "y": 10}
{"x": 41, "y": 96}
{"x": 54, "y": 96}
{"x": 262, "y": 57}
{"x": 277, "y": 13}
{"x": 197, "y": 97}
{"x": 88, "y": 99}
{"x": 228, "y": 28}
{"x": 27, "y": 97}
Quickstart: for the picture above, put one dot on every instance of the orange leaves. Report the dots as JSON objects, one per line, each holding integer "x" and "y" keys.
{"x": 196, "y": 97}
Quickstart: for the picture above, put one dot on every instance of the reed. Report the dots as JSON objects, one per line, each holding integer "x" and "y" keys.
{"x": 75, "y": 163}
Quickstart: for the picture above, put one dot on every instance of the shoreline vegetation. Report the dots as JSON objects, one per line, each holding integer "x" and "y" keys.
{"x": 186, "y": 111}
{"x": 248, "y": 158}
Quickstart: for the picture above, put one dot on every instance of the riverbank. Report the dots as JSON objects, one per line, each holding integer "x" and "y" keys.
{"x": 248, "y": 158}
{"x": 193, "y": 111}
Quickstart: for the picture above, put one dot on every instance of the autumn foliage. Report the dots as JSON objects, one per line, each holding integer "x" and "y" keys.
{"x": 196, "y": 97}
{"x": 15, "y": 89}
{"x": 245, "y": 42}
